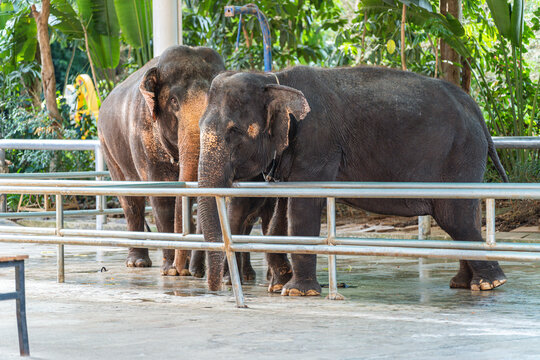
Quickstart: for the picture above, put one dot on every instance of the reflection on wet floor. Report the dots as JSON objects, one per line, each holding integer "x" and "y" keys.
{"x": 377, "y": 280}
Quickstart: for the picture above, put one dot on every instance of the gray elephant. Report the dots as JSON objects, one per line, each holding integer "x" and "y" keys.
{"x": 365, "y": 124}
{"x": 149, "y": 131}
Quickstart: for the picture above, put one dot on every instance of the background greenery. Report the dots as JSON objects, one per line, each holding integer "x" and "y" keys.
{"x": 315, "y": 32}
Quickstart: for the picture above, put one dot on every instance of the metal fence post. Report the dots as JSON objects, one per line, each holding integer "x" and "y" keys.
{"x": 490, "y": 222}
{"x": 424, "y": 227}
{"x": 22, "y": 327}
{"x": 231, "y": 256}
{"x": 59, "y": 227}
{"x": 100, "y": 199}
{"x": 186, "y": 215}
{"x": 332, "y": 267}
{"x": 3, "y": 169}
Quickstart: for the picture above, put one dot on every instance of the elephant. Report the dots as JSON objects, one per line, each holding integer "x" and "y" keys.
{"x": 347, "y": 124}
{"x": 148, "y": 129}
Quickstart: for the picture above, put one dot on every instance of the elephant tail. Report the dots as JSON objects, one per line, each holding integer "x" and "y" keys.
{"x": 492, "y": 152}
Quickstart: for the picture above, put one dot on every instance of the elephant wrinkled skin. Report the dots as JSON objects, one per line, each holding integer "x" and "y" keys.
{"x": 347, "y": 124}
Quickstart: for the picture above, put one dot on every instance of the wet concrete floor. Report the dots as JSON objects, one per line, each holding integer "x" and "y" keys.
{"x": 395, "y": 308}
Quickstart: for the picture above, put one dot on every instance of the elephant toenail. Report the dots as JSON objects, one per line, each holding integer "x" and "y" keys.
{"x": 295, "y": 292}
{"x": 185, "y": 272}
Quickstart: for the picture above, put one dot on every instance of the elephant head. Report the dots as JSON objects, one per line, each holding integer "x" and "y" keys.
{"x": 175, "y": 91}
{"x": 246, "y": 122}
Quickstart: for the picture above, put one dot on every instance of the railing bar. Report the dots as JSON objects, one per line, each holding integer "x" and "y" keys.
{"x": 490, "y": 222}
{"x": 440, "y": 193}
{"x": 231, "y": 256}
{"x": 332, "y": 267}
{"x": 287, "y": 240}
{"x": 60, "y": 248}
{"x": 186, "y": 215}
{"x": 67, "y": 213}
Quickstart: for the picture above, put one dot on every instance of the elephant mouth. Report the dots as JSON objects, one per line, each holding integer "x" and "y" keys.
{"x": 171, "y": 149}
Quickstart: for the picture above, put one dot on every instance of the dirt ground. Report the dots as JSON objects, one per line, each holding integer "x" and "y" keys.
{"x": 510, "y": 215}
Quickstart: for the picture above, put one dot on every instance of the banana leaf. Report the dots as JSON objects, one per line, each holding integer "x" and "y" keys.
{"x": 500, "y": 11}
{"x": 99, "y": 18}
{"x": 64, "y": 18}
{"x": 516, "y": 20}
{"x": 135, "y": 19}
{"x": 6, "y": 12}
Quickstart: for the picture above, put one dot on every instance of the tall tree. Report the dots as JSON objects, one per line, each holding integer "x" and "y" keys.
{"x": 47, "y": 67}
{"x": 449, "y": 57}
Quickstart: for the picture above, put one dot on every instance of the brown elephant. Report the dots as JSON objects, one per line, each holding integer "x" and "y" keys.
{"x": 149, "y": 131}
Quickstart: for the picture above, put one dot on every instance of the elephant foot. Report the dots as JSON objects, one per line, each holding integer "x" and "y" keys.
{"x": 278, "y": 278}
{"x": 297, "y": 287}
{"x": 197, "y": 271}
{"x": 138, "y": 258}
{"x": 478, "y": 275}
{"x": 168, "y": 268}
{"x": 462, "y": 280}
{"x": 196, "y": 264}
{"x": 248, "y": 274}
{"x": 487, "y": 275}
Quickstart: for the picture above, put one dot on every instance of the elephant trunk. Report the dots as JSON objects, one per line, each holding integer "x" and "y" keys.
{"x": 214, "y": 172}
{"x": 188, "y": 162}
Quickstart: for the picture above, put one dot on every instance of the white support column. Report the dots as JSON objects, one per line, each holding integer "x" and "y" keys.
{"x": 167, "y": 24}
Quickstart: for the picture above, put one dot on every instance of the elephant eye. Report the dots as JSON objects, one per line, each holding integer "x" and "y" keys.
{"x": 174, "y": 103}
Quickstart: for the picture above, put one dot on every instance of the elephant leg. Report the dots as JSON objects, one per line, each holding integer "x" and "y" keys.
{"x": 198, "y": 259}
{"x": 163, "y": 209}
{"x": 196, "y": 265}
{"x": 242, "y": 213}
{"x": 461, "y": 219}
{"x": 134, "y": 213}
{"x": 304, "y": 216}
{"x": 248, "y": 273}
{"x": 181, "y": 257}
{"x": 279, "y": 267}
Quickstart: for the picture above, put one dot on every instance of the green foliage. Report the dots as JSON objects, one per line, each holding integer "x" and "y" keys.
{"x": 135, "y": 19}
{"x": 300, "y": 30}
{"x": 100, "y": 21}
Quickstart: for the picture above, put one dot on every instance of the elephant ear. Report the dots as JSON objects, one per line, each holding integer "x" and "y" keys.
{"x": 148, "y": 89}
{"x": 283, "y": 101}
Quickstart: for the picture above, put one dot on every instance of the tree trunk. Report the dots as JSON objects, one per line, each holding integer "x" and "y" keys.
{"x": 449, "y": 57}
{"x": 47, "y": 68}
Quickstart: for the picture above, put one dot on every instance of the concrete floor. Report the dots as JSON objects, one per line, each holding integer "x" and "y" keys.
{"x": 395, "y": 309}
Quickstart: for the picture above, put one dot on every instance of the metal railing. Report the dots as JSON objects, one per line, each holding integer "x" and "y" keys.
{"x": 331, "y": 244}
{"x": 55, "y": 145}
{"x": 424, "y": 222}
